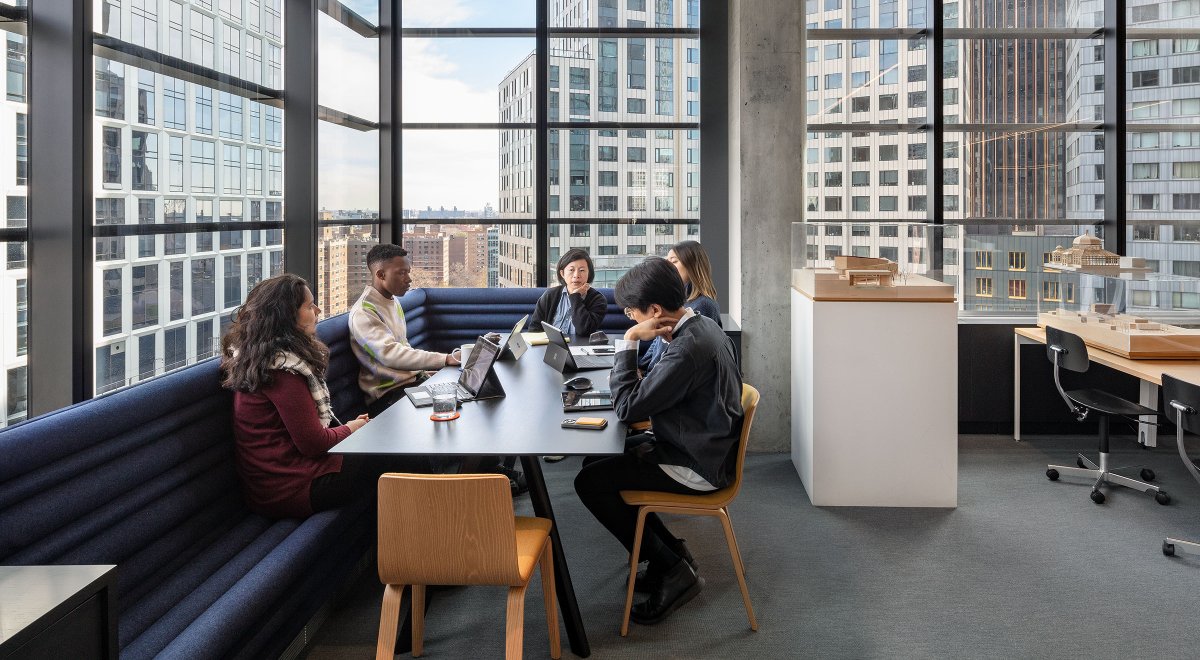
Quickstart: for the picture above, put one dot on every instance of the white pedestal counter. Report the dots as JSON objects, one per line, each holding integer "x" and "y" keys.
{"x": 875, "y": 395}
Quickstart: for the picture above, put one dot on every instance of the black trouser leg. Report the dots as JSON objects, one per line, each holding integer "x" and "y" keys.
{"x": 599, "y": 485}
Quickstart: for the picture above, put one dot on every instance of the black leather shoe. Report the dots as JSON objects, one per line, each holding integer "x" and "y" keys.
{"x": 516, "y": 479}
{"x": 679, "y": 585}
{"x": 646, "y": 581}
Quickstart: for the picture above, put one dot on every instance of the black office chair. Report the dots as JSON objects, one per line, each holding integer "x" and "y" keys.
{"x": 1184, "y": 399}
{"x": 1067, "y": 351}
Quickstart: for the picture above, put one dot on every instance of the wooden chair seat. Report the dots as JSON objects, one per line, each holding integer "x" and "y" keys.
{"x": 716, "y": 499}
{"x": 532, "y": 534}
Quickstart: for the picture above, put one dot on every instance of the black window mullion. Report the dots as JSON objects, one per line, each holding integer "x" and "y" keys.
{"x": 390, "y": 133}
{"x": 60, "y": 199}
{"x": 300, "y": 139}
{"x": 935, "y": 194}
{"x": 1115, "y": 185}
{"x": 541, "y": 149}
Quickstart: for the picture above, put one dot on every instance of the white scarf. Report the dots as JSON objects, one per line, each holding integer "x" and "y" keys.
{"x": 288, "y": 361}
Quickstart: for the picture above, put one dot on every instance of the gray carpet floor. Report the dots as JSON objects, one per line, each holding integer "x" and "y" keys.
{"x": 1023, "y": 568}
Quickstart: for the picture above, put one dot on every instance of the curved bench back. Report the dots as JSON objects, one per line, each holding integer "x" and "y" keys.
{"x": 442, "y": 319}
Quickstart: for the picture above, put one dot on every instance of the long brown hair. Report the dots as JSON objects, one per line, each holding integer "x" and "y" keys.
{"x": 695, "y": 261}
{"x": 264, "y": 326}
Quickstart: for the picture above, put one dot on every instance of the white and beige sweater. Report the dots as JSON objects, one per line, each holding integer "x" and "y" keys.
{"x": 381, "y": 346}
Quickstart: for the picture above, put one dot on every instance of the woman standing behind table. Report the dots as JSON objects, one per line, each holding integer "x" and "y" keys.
{"x": 573, "y": 306}
{"x": 272, "y": 360}
{"x": 691, "y": 262}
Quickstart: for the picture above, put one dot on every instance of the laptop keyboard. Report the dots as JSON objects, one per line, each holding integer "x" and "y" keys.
{"x": 593, "y": 361}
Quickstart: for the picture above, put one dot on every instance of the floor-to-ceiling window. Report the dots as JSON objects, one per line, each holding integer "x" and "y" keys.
{"x": 995, "y": 116}
{"x": 14, "y": 186}
{"x": 187, "y": 175}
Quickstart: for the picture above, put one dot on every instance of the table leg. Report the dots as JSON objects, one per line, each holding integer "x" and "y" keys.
{"x": 567, "y": 604}
{"x": 1017, "y": 387}
{"x": 1147, "y": 431}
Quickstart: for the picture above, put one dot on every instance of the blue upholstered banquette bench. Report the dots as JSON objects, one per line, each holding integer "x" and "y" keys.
{"x": 144, "y": 478}
{"x": 443, "y": 319}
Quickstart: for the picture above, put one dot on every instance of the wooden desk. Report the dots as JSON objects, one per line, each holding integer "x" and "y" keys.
{"x": 524, "y": 423}
{"x": 1148, "y": 372}
{"x": 58, "y": 612}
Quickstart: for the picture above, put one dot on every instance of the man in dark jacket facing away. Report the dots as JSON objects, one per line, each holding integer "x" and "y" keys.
{"x": 693, "y": 401}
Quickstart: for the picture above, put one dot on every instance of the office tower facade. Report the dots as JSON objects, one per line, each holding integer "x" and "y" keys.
{"x": 170, "y": 151}
{"x": 628, "y": 192}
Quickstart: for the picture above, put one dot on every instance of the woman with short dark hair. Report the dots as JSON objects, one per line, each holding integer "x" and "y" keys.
{"x": 573, "y": 306}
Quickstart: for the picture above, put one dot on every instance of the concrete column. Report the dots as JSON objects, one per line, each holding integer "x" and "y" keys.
{"x": 766, "y": 153}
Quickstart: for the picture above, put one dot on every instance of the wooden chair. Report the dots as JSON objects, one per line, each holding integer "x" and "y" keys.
{"x": 709, "y": 504}
{"x": 458, "y": 529}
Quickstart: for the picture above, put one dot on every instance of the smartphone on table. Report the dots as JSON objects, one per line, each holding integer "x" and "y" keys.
{"x": 594, "y": 423}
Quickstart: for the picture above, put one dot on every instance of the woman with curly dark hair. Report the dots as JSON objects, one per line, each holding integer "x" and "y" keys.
{"x": 274, "y": 363}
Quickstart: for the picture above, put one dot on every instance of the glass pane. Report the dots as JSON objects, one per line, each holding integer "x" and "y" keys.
{"x": 14, "y": 273}
{"x": 455, "y": 255}
{"x": 1164, "y": 199}
{"x": 1164, "y": 80}
{"x": 1023, "y": 14}
{"x": 864, "y": 175}
{"x": 626, "y": 13}
{"x": 14, "y": 330}
{"x": 367, "y": 9}
{"x": 169, "y": 152}
{"x": 1004, "y": 273}
{"x": 342, "y": 273}
{"x": 468, "y": 80}
{"x": 347, "y": 69}
{"x": 614, "y": 248}
{"x": 1033, "y": 175}
{"x": 1009, "y": 81}
{"x": 874, "y": 82}
{"x": 469, "y": 13}
{"x": 628, "y": 80}
{"x": 454, "y": 174}
{"x": 1169, "y": 14}
{"x": 866, "y": 14}
{"x": 628, "y": 174}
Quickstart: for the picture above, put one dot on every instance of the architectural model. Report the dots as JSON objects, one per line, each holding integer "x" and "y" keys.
{"x": 1124, "y": 334}
{"x": 1087, "y": 255}
{"x": 865, "y": 271}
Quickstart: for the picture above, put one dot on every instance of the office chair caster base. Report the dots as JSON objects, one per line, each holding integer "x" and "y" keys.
{"x": 1147, "y": 474}
{"x": 1171, "y": 546}
{"x": 1104, "y": 475}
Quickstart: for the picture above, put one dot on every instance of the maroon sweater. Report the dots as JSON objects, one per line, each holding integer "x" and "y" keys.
{"x": 281, "y": 446}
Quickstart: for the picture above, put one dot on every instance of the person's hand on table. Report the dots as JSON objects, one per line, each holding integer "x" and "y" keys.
{"x": 452, "y": 358}
{"x": 649, "y": 329}
{"x": 358, "y": 422}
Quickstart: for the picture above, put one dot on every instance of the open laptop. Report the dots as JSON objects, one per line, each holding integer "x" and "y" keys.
{"x": 515, "y": 346}
{"x": 476, "y": 381}
{"x": 563, "y": 359}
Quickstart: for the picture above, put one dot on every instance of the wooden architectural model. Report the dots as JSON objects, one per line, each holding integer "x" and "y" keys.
{"x": 865, "y": 271}
{"x": 1087, "y": 255}
{"x": 1124, "y": 334}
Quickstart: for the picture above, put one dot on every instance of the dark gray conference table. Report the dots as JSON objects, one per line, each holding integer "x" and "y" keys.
{"x": 524, "y": 423}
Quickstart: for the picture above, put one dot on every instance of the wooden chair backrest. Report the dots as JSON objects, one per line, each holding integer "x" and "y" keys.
{"x": 750, "y": 397}
{"x": 447, "y": 529}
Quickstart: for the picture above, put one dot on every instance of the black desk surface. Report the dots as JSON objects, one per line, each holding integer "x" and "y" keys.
{"x": 525, "y": 422}
{"x": 34, "y": 598}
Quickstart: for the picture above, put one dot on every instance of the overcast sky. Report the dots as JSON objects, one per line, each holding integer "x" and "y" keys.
{"x": 444, "y": 80}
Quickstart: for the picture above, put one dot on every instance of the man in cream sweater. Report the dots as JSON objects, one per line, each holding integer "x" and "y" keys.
{"x": 388, "y": 363}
